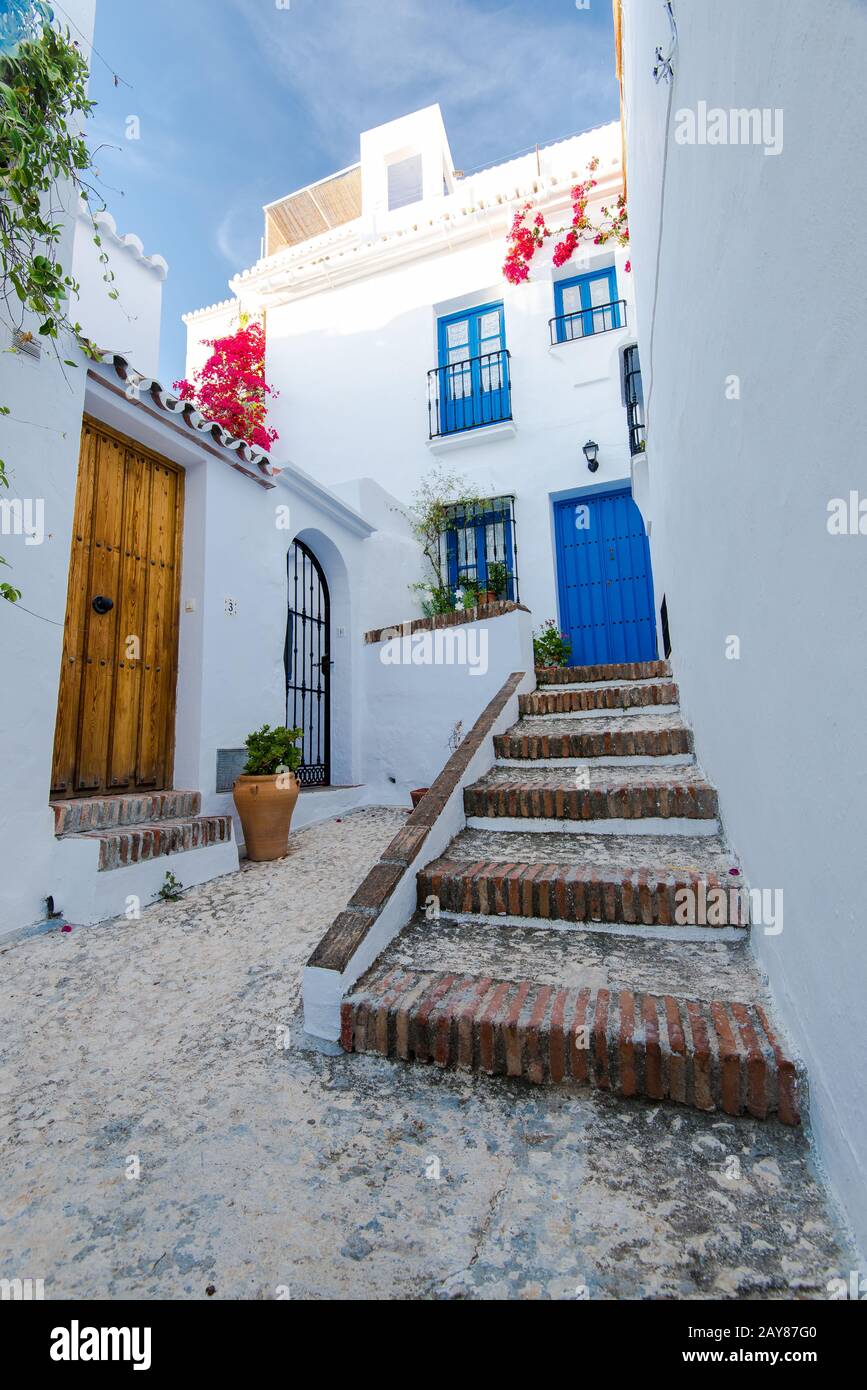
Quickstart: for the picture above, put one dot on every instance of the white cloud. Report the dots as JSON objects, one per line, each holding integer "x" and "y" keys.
{"x": 232, "y": 241}
{"x": 496, "y": 69}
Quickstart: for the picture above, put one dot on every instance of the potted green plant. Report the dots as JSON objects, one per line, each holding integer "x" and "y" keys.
{"x": 551, "y": 647}
{"x": 498, "y": 581}
{"x": 267, "y": 790}
{"x": 434, "y": 600}
{"x": 471, "y": 593}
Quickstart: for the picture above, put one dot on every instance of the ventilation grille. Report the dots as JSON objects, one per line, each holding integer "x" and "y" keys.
{"x": 26, "y": 343}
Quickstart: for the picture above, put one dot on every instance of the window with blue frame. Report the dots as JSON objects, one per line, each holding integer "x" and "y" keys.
{"x": 470, "y": 387}
{"x": 586, "y": 304}
{"x": 479, "y": 545}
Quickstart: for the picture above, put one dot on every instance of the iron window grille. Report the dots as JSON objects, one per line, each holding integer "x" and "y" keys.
{"x": 587, "y": 323}
{"x": 479, "y": 547}
{"x": 469, "y": 394}
{"x": 634, "y": 399}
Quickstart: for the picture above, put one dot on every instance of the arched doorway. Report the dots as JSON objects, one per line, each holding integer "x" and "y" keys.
{"x": 308, "y": 664}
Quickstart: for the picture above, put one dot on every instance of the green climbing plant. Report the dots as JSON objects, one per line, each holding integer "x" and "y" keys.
{"x": 43, "y": 104}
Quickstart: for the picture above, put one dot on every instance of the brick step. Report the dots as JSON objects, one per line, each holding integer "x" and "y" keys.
{"x": 578, "y": 700}
{"x": 622, "y": 671}
{"x": 134, "y": 844}
{"x": 636, "y": 735}
{"x": 558, "y": 892}
{"x": 105, "y": 812}
{"x": 719, "y": 1054}
{"x": 594, "y": 794}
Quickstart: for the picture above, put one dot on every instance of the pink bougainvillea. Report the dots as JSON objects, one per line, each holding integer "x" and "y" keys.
{"x": 526, "y": 236}
{"x": 231, "y": 387}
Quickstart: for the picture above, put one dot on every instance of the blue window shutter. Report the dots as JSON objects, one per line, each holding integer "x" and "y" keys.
{"x": 405, "y": 182}
{"x": 586, "y": 292}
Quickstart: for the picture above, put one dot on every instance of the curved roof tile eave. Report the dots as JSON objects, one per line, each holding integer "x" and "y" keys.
{"x": 173, "y": 405}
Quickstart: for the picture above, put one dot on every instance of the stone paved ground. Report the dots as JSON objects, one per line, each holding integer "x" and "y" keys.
{"x": 269, "y": 1171}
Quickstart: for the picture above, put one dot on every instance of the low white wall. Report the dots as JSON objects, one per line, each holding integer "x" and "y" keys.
{"x": 757, "y": 390}
{"x": 39, "y": 443}
{"x": 323, "y": 990}
{"x": 411, "y": 710}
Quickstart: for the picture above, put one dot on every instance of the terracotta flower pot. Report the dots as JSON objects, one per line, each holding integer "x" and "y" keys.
{"x": 265, "y": 805}
{"x": 487, "y": 597}
{"x": 417, "y": 795}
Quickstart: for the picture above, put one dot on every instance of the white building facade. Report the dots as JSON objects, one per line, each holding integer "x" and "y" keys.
{"x": 755, "y": 482}
{"x": 398, "y": 347}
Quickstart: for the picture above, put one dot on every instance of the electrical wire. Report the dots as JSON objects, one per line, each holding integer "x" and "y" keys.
{"x": 91, "y": 46}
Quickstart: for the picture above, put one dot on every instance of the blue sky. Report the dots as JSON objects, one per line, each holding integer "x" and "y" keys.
{"x": 242, "y": 101}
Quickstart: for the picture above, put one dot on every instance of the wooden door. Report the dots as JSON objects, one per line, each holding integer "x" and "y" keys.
{"x": 116, "y": 707}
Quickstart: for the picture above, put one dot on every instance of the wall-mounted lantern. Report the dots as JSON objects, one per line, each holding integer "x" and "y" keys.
{"x": 591, "y": 451}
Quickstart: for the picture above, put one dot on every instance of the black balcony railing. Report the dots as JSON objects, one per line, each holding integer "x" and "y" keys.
{"x": 634, "y": 400}
{"x": 469, "y": 394}
{"x": 586, "y": 323}
{"x": 479, "y": 548}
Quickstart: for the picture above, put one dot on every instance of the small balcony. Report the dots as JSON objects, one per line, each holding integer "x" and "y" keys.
{"x": 469, "y": 394}
{"x": 587, "y": 323}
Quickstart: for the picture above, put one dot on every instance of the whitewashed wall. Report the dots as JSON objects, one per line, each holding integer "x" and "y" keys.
{"x": 39, "y": 443}
{"x": 412, "y": 708}
{"x": 236, "y": 540}
{"x": 130, "y": 324}
{"x": 203, "y": 326}
{"x": 739, "y": 487}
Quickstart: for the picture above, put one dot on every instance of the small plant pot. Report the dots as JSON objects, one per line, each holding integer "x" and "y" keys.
{"x": 265, "y": 806}
{"x": 417, "y": 795}
{"x": 487, "y": 598}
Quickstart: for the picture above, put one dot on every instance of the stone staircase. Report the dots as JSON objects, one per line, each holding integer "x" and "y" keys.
{"x": 565, "y": 935}
{"x": 113, "y": 847}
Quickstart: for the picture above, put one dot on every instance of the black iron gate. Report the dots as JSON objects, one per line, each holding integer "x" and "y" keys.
{"x": 308, "y": 665}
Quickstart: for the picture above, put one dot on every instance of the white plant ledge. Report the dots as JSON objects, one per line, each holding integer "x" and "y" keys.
{"x": 461, "y": 439}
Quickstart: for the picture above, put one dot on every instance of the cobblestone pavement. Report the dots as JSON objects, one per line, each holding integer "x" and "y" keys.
{"x": 270, "y": 1170}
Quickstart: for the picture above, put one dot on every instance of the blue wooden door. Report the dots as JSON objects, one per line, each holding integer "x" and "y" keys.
{"x": 604, "y": 579}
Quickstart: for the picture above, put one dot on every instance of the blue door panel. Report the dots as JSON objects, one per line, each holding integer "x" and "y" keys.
{"x": 604, "y": 580}
{"x": 473, "y": 369}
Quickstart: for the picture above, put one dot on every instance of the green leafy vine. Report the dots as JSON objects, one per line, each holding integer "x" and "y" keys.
{"x": 43, "y": 156}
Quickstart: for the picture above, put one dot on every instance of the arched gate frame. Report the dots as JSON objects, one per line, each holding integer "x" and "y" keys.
{"x": 308, "y": 664}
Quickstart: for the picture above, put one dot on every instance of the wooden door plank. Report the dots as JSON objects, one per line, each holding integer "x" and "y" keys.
{"x": 72, "y": 662}
{"x": 101, "y": 631}
{"x": 158, "y": 627}
{"x": 125, "y": 715}
{"x": 171, "y": 663}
